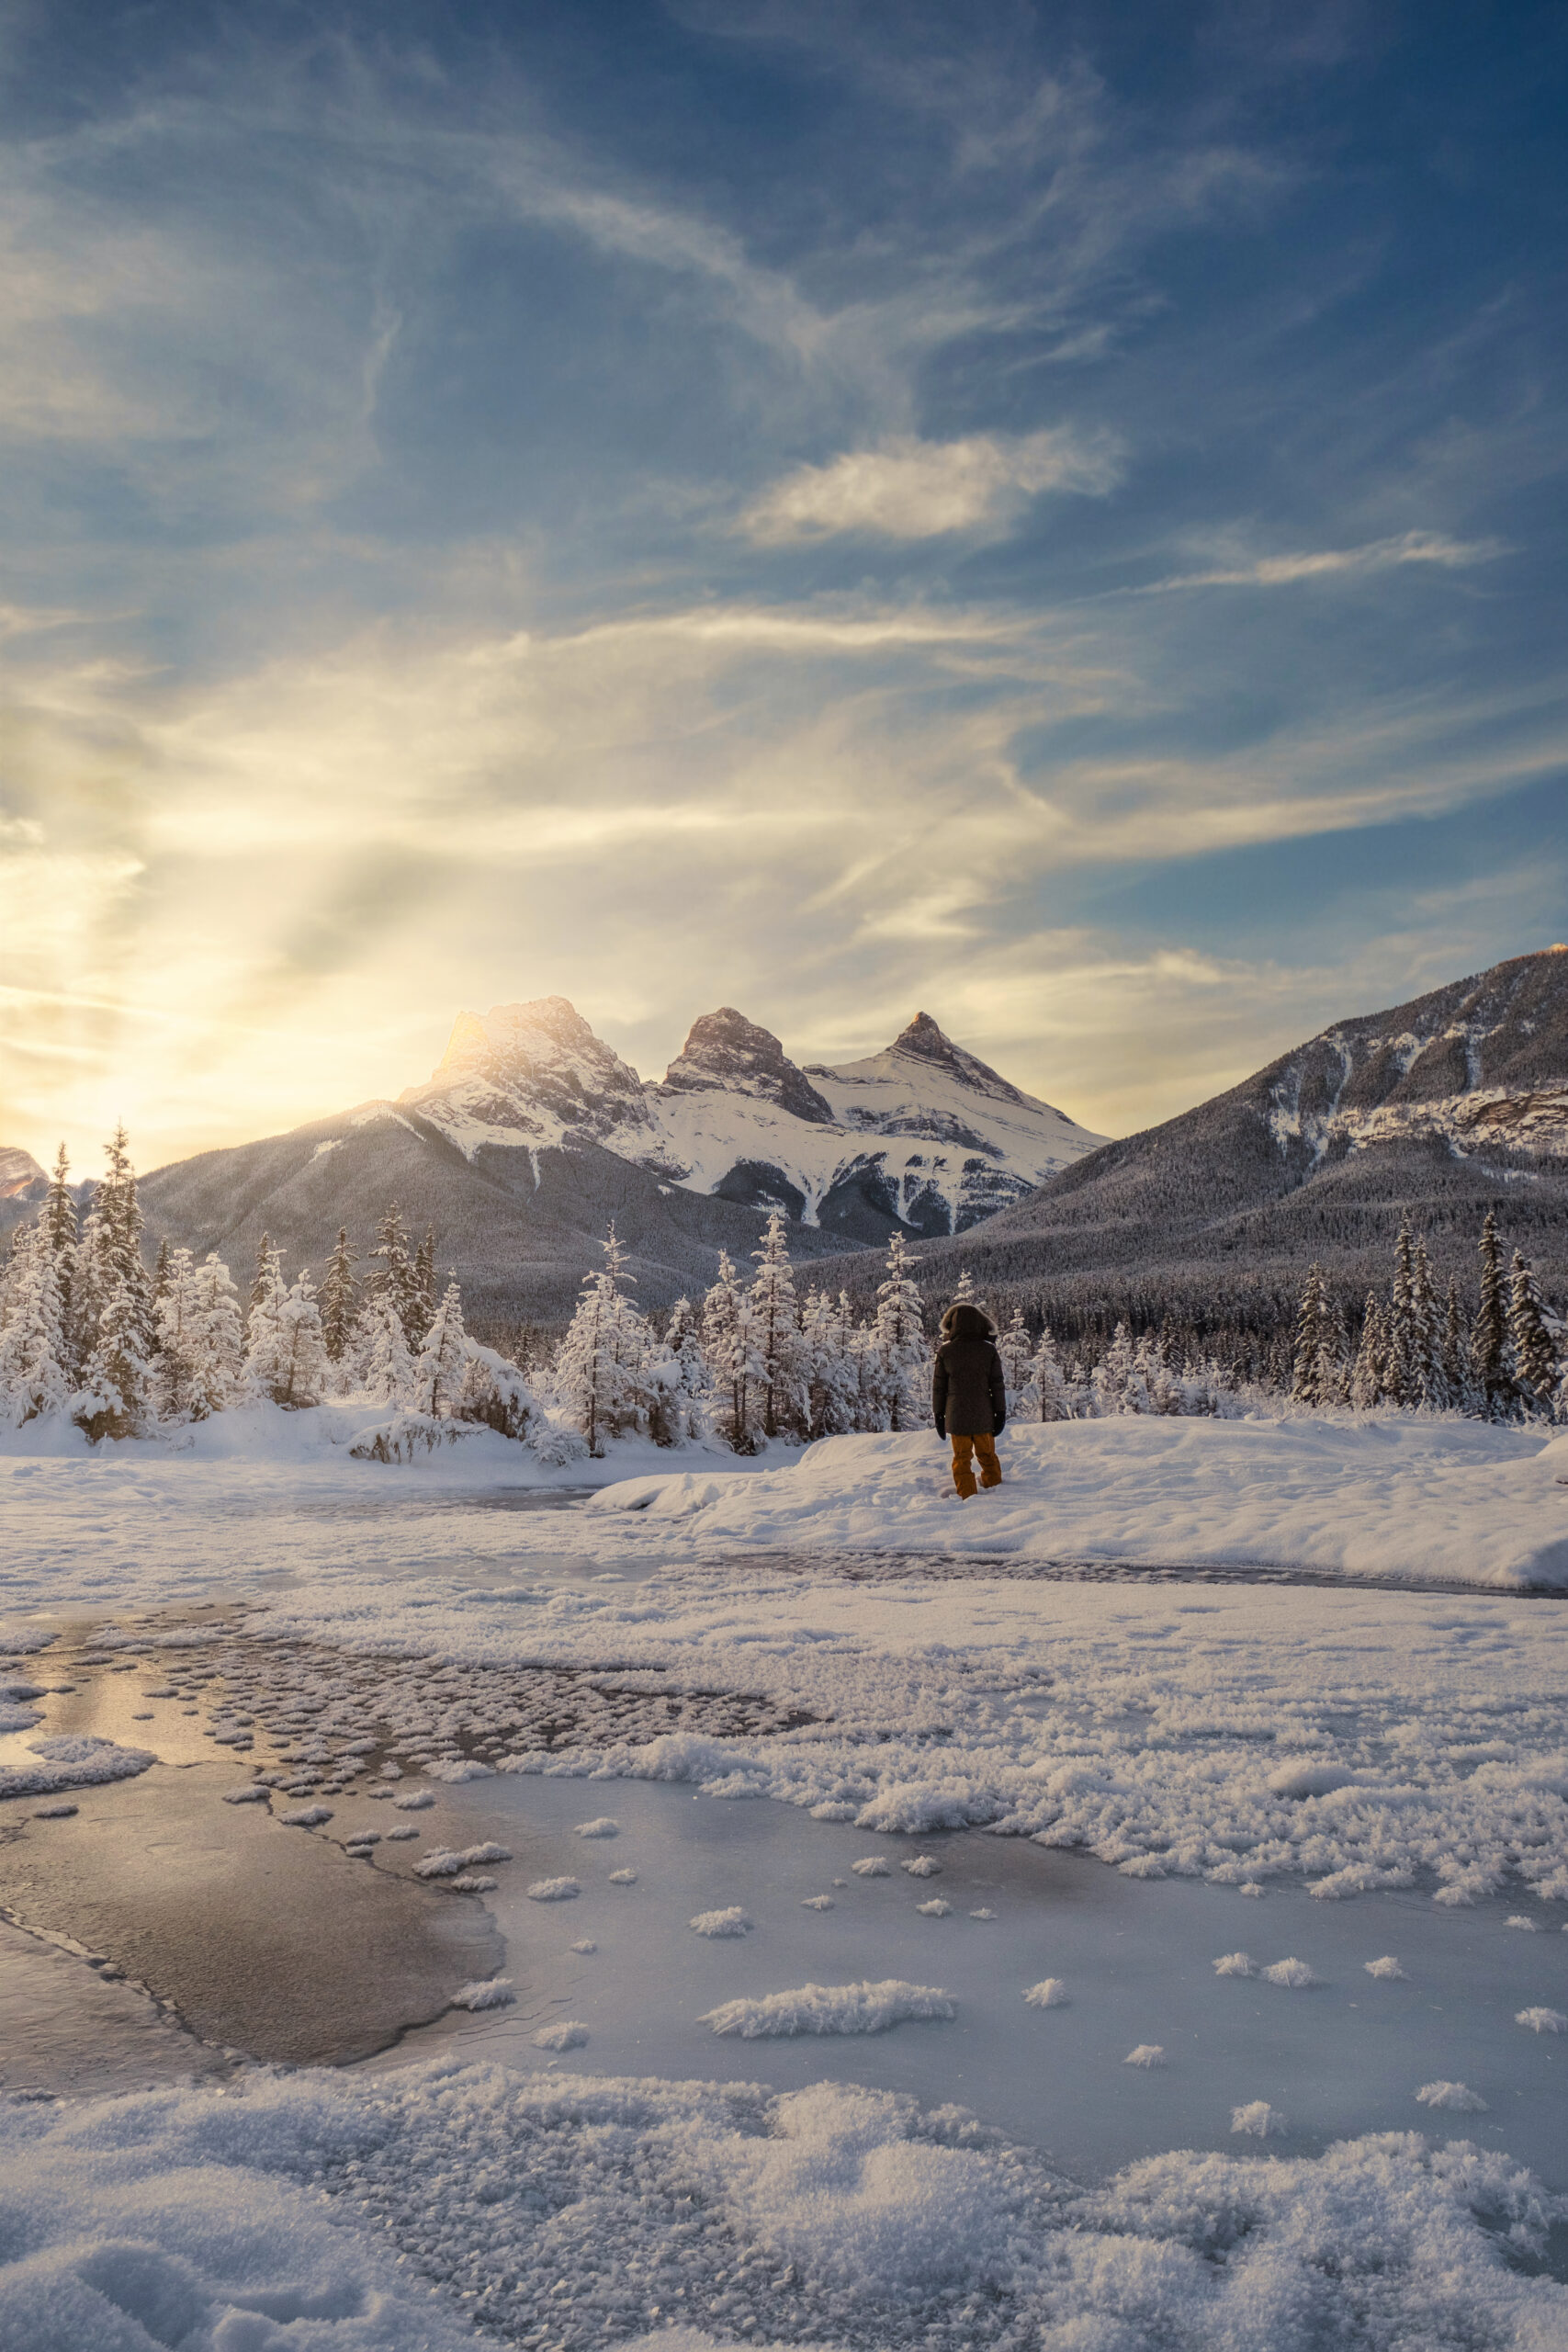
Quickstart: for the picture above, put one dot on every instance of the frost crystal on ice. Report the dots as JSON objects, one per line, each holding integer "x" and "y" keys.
{"x": 494, "y": 1993}
{"x": 1147, "y": 2054}
{"x": 310, "y": 1817}
{"x": 472, "y": 1883}
{"x": 818, "y": 1903}
{"x": 396, "y": 1836}
{"x": 1459, "y": 2097}
{"x": 584, "y": 1943}
{"x": 1051, "y": 1993}
{"x": 922, "y": 1866}
{"x": 730, "y": 1922}
{"x": 1294, "y": 1974}
{"x": 1517, "y": 1920}
{"x": 605, "y": 1826}
{"x": 983, "y": 1913}
{"x": 1386, "y": 1967}
{"x": 553, "y": 1889}
{"x": 1235, "y": 1963}
{"x": 1258, "y": 2118}
{"x": 873, "y": 1866}
{"x": 935, "y": 1909}
{"x": 569, "y": 2035}
{"x": 618, "y": 1878}
{"x": 831, "y": 2008}
{"x": 1542, "y": 2021}
{"x": 414, "y": 1802}
{"x": 253, "y": 1796}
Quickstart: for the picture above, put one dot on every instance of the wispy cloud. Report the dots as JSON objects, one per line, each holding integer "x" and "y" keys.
{"x": 907, "y": 488}
{"x": 1324, "y": 563}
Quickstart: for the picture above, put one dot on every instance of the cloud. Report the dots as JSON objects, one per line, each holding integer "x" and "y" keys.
{"x": 1378, "y": 555}
{"x": 907, "y": 488}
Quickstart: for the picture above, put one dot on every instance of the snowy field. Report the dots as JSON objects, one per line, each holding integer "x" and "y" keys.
{"x": 756, "y": 2077}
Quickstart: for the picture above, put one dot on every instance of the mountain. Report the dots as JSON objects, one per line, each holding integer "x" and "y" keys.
{"x": 21, "y": 1175}
{"x": 1434, "y": 1110}
{"x": 923, "y": 1134}
{"x": 533, "y": 1134}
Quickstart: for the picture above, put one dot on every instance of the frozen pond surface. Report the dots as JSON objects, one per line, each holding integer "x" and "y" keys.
{"x": 1340, "y": 2057}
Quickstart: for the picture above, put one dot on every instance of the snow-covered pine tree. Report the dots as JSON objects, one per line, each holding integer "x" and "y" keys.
{"x": 340, "y": 1298}
{"x": 963, "y": 1289}
{"x": 831, "y": 1381}
{"x": 396, "y": 1276}
{"x": 59, "y": 1217}
{"x": 1456, "y": 1352}
{"x": 110, "y": 1267}
{"x": 1115, "y": 1382}
{"x": 1051, "y": 1402}
{"x": 288, "y": 1360}
{"x": 387, "y": 1365}
{"x": 1016, "y": 1350}
{"x": 424, "y": 1287}
{"x": 683, "y": 1346}
{"x": 1531, "y": 1358}
{"x": 266, "y": 1277}
{"x": 600, "y": 1372}
{"x": 1426, "y": 1335}
{"x": 902, "y": 1361}
{"x": 34, "y": 1382}
{"x": 218, "y": 1346}
{"x": 733, "y": 1367}
{"x": 173, "y": 1374}
{"x": 865, "y": 1372}
{"x": 1313, "y": 1332}
{"x": 496, "y": 1392}
{"x": 776, "y": 1327}
{"x": 113, "y": 1400}
{"x": 1401, "y": 1372}
{"x": 1366, "y": 1374}
{"x": 1489, "y": 1334}
{"x": 1152, "y": 1366}
{"x": 443, "y": 1359}
{"x": 266, "y": 1350}
{"x": 159, "y": 1279}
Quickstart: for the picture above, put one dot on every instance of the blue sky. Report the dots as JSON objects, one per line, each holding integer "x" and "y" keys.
{"x": 1053, "y": 514}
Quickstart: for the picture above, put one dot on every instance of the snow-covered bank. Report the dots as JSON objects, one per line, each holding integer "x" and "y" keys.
{"x": 1432, "y": 1500}
{"x": 843, "y": 2215}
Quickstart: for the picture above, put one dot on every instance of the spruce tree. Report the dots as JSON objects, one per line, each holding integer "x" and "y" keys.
{"x": 109, "y": 1268}
{"x": 1049, "y": 1382}
{"x": 1115, "y": 1379}
{"x": 900, "y": 1343}
{"x": 268, "y": 1273}
{"x": 174, "y": 1368}
{"x": 396, "y": 1277}
{"x": 340, "y": 1298}
{"x": 1426, "y": 1335}
{"x": 1313, "y": 1328}
{"x": 1456, "y": 1352}
{"x": 1401, "y": 1375}
{"x": 1367, "y": 1373}
{"x": 438, "y": 1376}
{"x": 217, "y": 1349}
{"x": 776, "y": 1329}
{"x": 59, "y": 1227}
{"x": 1489, "y": 1333}
{"x": 682, "y": 1338}
{"x": 1531, "y": 1357}
{"x": 388, "y": 1367}
{"x": 1017, "y": 1351}
{"x": 34, "y": 1382}
{"x": 602, "y": 1370}
{"x": 733, "y": 1367}
{"x": 830, "y": 1377}
{"x": 423, "y": 1301}
{"x": 286, "y": 1359}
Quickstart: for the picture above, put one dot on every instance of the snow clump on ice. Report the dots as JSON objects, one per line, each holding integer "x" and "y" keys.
{"x": 488, "y": 1993}
{"x": 1051, "y": 1993}
{"x": 553, "y": 1889}
{"x": 570, "y": 2034}
{"x": 831, "y": 2008}
{"x": 617, "y": 1878}
{"x": 922, "y": 1866}
{"x": 399, "y": 1836}
{"x": 873, "y": 1866}
{"x": 53, "y": 1811}
{"x": 72, "y": 1760}
{"x": 935, "y": 1909}
{"x": 413, "y": 1800}
{"x": 1517, "y": 1920}
{"x": 730, "y": 1922}
{"x": 1457, "y": 2096}
{"x": 583, "y": 1944}
{"x": 254, "y": 1794}
{"x": 605, "y": 1826}
{"x": 1235, "y": 1963}
{"x": 1294, "y": 1974}
{"x": 1387, "y": 1968}
{"x": 1542, "y": 2021}
{"x": 1257, "y": 2118}
{"x": 457, "y": 1769}
{"x": 1147, "y": 2054}
{"x": 816, "y": 1903}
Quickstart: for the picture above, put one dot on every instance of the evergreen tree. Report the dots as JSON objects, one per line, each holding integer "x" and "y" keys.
{"x": 1489, "y": 1334}
{"x": 286, "y": 1357}
{"x": 110, "y": 1269}
{"x": 268, "y": 1273}
{"x": 1426, "y": 1335}
{"x": 902, "y": 1375}
{"x": 340, "y": 1299}
{"x": 60, "y": 1225}
{"x": 1531, "y": 1357}
{"x": 396, "y": 1276}
{"x": 775, "y": 1328}
{"x": 1456, "y": 1352}
{"x": 1402, "y": 1341}
{"x": 963, "y": 1289}
{"x": 174, "y": 1368}
{"x": 218, "y": 1347}
{"x": 1049, "y": 1382}
{"x": 734, "y": 1366}
{"x": 423, "y": 1311}
{"x": 113, "y": 1399}
{"x": 161, "y": 1274}
{"x": 1313, "y": 1328}
{"x": 443, "y": 1359}
{"x": 1116, "y": 1382}
{"x": 683, "y": 1342}
{"x": 1153, "y": 1375}
{"x": 388, "y": 1367}
{"x": 1016, "y": 1352}
{"x": 831, "y": 1377}
{"x": 602, "y": 1371}
{"x": 1367, "y": 1375}
{"x": 34, "y": 1382}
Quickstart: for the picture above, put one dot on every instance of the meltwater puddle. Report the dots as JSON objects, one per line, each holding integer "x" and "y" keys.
{"x": 1337, "y": 2057}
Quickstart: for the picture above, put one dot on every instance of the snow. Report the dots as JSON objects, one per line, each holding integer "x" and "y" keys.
{"x": 816, "y": 1903}
{"x": 1049, "y": 1993}
{"x": 489, "y": 1993}
{"x": 75, "y": 1760}
{"x": 872, "y": 1866}
{"x": 1146, "y": 2053}
{"x": 1294, "y": 1974}
{"x": 831, "y": 2008}
{"x": 554, "y": 1890}
{"x": 604, "y": 1827}
{"x": 1257, "y": 2119}
{"x": 1457, "y": 2097}
{"x": 937, "y": 1908}
{"x": 250, "y": 1794}
{"x": 730, "y": 1921}
{"x": 1387, "y": 1968}
{"x": 570, "y": 2034}
{"x": 1399, "y": 1498}
{"x": 1542, "y": 2020}
{"x": 1235, "y": 1963}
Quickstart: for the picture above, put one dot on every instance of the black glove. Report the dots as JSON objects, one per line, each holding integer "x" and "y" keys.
{"x": 1000, "y": 1426}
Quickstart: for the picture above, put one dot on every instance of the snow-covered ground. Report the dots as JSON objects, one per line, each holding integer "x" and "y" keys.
{"x": 1302, "y": 2152}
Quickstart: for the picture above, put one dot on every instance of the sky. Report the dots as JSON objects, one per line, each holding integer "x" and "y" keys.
{"x": 1048, "y": 514}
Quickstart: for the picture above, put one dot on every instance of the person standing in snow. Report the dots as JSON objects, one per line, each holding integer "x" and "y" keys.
{"x": 969, "y": 1397}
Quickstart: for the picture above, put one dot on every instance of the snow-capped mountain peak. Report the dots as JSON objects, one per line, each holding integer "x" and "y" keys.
{"x": 923, "y": 1133}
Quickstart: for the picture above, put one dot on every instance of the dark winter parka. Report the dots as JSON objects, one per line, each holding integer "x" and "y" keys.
{"x": 969, "y": 1395}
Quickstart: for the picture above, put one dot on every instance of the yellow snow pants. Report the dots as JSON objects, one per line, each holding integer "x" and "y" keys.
{"x": 964, "y": 1468}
